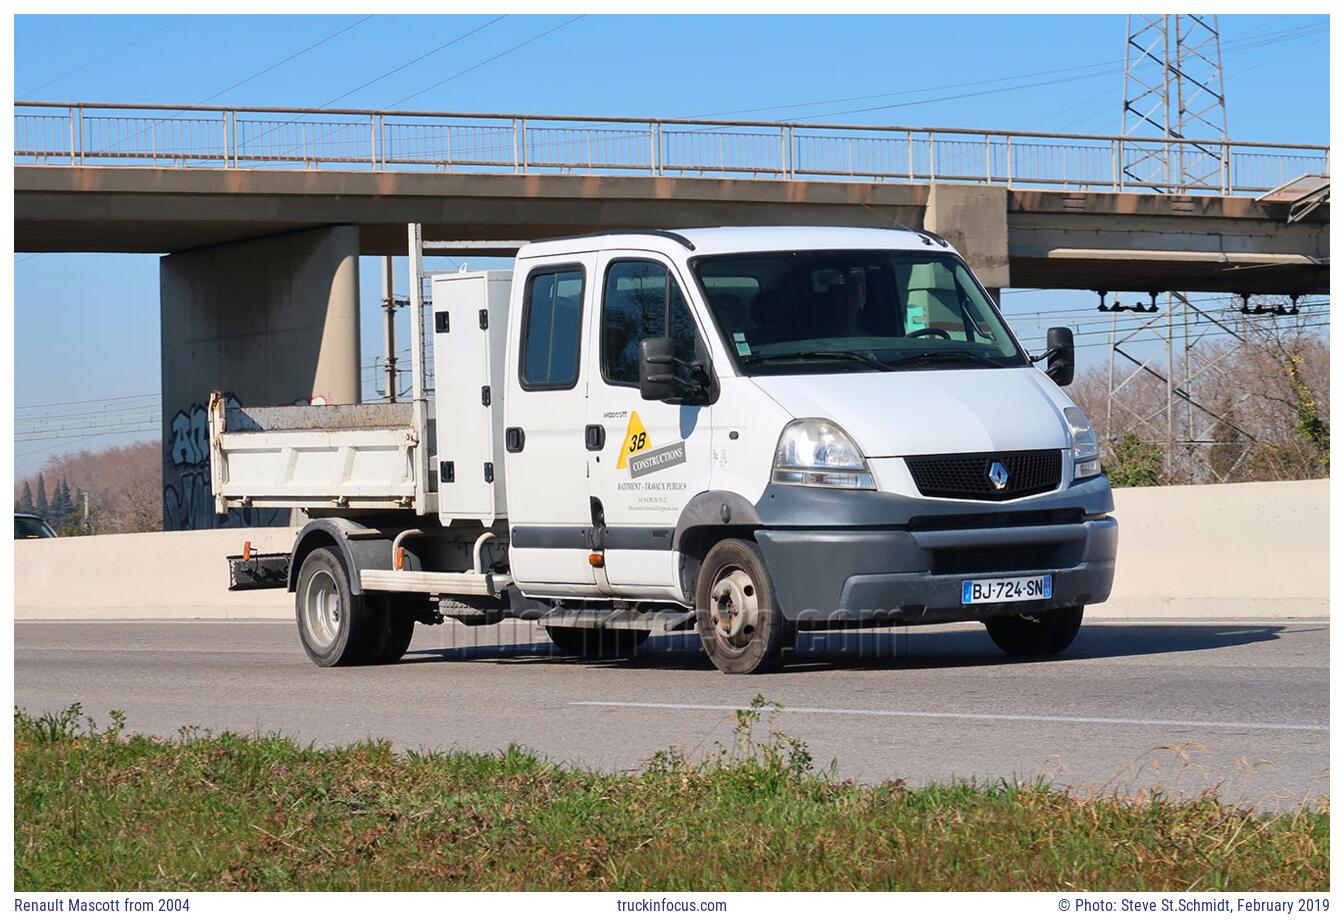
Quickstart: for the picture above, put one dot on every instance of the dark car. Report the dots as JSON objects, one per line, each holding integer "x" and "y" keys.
{"x": 31, "y": 527}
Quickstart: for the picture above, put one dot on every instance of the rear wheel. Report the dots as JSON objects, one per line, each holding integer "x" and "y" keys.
{"x": 590, "y": 642}
{"x": 337, "y": 628}
{"x": 1036, "y": 635}
{"x": 736, "y": 613}
{"x": 399, "y": 625}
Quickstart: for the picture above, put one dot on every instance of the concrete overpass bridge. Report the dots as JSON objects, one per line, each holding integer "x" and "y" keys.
{"x": 262, "y": 212}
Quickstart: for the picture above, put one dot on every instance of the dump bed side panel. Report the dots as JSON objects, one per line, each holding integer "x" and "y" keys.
{"x": 350, "y": 456}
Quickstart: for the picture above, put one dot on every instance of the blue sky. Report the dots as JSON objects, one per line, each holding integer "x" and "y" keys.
{"x": 99, "y": 313}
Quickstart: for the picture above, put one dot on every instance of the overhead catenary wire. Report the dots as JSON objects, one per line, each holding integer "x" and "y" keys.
{"x": 265, "y": 70}
{"x": 302, "y": 51}
{"x": 489, "y": 60}
{"x": 1314, "y": 33}
{"x": 1103, "y": 69}
{"x": 382, "y": 76}
{"x": 398, "y": 69}
{"x": 75, "y": 402}
{"x": 101, "y": 58}
{"x": 1106, "y": 66}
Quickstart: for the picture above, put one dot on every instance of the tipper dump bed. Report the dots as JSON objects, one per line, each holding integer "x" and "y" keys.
{"x": 334, "y": 456}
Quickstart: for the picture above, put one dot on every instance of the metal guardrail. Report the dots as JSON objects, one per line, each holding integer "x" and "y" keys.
{"x": 108, "y": 134}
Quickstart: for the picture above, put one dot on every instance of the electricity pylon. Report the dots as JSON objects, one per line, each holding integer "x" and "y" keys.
{"x": 1174, "y": 119}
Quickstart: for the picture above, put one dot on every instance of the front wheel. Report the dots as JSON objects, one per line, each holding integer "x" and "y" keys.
{"x": 736, "y": 613}
{"x": 1036, "y": 635}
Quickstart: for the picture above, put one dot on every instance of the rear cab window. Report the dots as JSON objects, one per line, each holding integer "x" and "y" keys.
{"x": 552, "y": 320}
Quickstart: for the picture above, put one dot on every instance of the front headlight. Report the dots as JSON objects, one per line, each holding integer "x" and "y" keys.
{"x": 816, "y": 452}
{"x": 1086, "y": 461}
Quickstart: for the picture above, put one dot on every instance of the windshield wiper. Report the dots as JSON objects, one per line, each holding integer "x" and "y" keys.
{"x": 858, "y": 356}
{"x": 925, "y": 357}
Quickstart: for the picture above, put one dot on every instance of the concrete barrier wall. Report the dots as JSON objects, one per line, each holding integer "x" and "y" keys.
{"x": 144, "y": 575}
{"x": 1254, "y": 549}
{"x": 1244, "y": 550}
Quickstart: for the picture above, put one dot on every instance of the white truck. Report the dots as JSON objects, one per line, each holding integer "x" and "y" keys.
{"x": 746, "y": 431}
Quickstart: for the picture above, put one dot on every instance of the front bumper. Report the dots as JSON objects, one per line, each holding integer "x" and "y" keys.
{"x": 910, "y": 569}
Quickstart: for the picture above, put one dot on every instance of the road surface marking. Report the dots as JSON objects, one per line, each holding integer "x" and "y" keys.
{"x": 995, "y": 717}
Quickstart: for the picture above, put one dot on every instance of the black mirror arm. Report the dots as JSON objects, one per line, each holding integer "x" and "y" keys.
{"x": 696, "y": 388}
{"x": 1043, "y": 356}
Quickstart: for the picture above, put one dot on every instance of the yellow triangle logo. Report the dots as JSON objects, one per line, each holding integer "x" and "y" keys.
{"x": 636, "y": 439}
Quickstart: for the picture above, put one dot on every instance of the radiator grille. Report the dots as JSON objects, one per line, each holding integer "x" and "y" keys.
{"x": 1030, "y": 472}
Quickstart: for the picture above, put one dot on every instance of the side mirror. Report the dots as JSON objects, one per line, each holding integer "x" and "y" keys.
{"x": 657, "y": 369}
{"x": 1059, "y": 347}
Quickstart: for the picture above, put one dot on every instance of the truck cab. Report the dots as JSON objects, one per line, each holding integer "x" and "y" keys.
{"x": 744, "y": 431}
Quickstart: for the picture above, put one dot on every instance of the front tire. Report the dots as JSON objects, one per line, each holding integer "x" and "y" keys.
{"x": 1036, "y": 635}
{"x": 591, "y": 642}
{"x": 736, "y": 611}
{"x": 337, "y": 628}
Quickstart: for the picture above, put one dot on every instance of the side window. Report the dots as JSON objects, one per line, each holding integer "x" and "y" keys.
{"x": 553, "y": 307}
{"x": 640, "y": 301}
{"x": 937, "y": 298}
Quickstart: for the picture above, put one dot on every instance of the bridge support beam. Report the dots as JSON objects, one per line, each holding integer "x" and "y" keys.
{"x": 973, "y": 218}
{"x": 272, "y": 321}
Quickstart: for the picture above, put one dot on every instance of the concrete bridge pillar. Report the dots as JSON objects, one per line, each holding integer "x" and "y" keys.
{"x": 973, "y": 218}
{"x": 272, "y": 321}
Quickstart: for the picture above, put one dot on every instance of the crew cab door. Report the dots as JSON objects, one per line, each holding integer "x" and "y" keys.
{"x": 647, "y": 459}
{"x": 547, "y": 468}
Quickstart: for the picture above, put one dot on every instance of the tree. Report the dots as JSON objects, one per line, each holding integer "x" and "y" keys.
{"x": 124, "y": 485}
{"x": 26, "y": 499}
{"x": 62, "y": 506}
{"x": 1310, "y": 425}
{"x": 1134, "y": 462}
{"x": 41, "y": 506}
{"x": 1226, "y": 453}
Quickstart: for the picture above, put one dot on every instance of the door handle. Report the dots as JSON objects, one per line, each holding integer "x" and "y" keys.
{"x": 595, "y": 437}
{"x": 514, "y": 440}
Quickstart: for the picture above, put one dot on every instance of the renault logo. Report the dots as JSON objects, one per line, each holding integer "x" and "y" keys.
{"x": 998, "y": 474}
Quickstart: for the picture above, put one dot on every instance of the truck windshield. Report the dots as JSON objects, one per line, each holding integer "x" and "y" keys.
{"x": 828, "y": 311}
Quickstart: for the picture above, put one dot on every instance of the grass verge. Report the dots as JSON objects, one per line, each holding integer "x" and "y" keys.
{"x": 100, "y": 809}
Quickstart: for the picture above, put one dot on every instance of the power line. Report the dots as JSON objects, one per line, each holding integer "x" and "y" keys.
{"x": 76, "y": 402}
{"x": 400, "y": 68}
{"x": 88, "y": 434}
{"x": 264, "y": 70}
{"x": 58, "y": 424}
{"x": 489, "y": 60}
{"x": 1206, "y": 336}
{"x": 333, "y": 100}
{"x": 97, "y": 60}
{"x": 1242, "y": 46}
{"x": 302, "y": 51}
{"x": 53, "y": 441}
{"x": 1107, "y": 67}
{"x": 904, "y": 92}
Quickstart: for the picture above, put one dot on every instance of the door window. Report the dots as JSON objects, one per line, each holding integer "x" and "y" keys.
{"x": 552, "y": 309}
{"x": 639, "y": 301}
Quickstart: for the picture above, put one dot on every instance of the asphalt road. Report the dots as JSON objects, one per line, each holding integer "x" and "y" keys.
{"x": 1237, "y": 707}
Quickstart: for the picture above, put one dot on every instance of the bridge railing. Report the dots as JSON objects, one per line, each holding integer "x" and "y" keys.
{"x": 104, "y": 134}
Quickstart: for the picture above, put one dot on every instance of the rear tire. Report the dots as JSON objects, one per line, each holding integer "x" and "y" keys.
{"x": 592, "y": 642}
{"x": 1036, "y": 635}
{"x": 398, "y": 627}
{"x": 736, "y": 611}
{"x": 337, "y": 628}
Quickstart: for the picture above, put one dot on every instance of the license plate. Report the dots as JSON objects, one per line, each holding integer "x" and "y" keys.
{"x": 1007, "y": 590}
